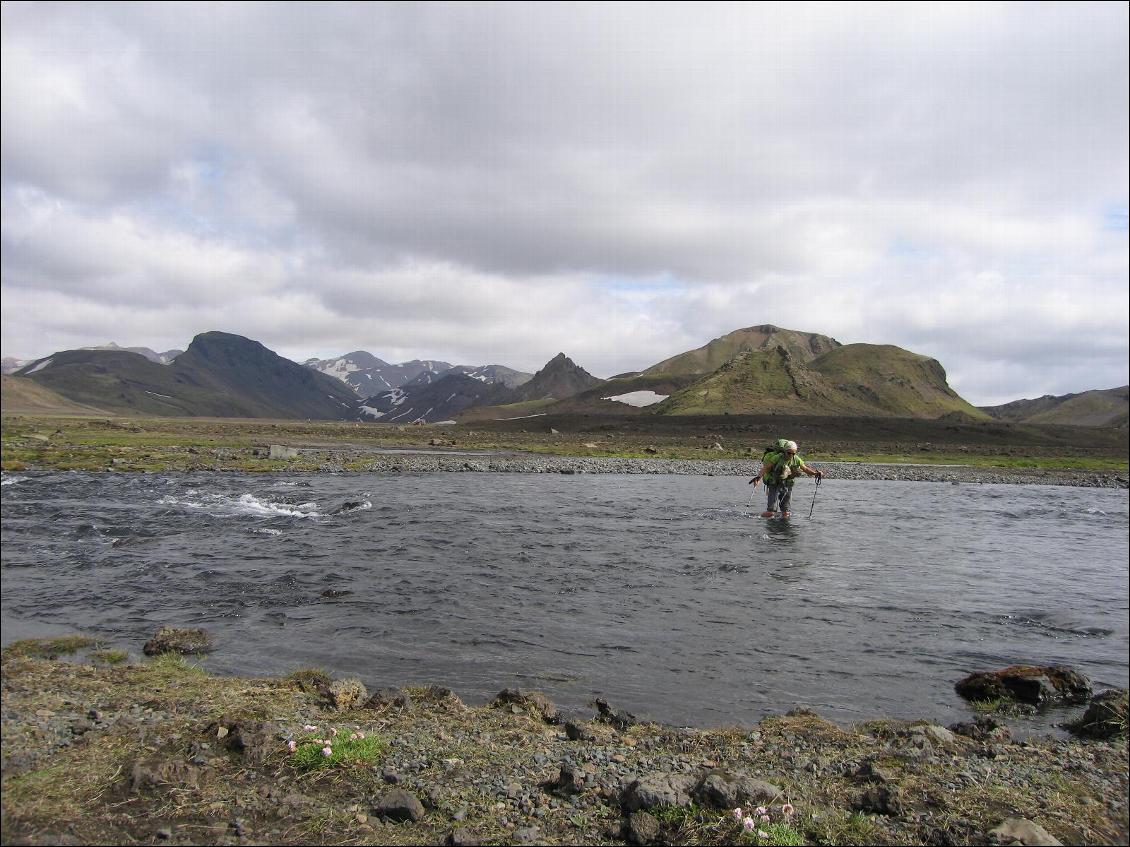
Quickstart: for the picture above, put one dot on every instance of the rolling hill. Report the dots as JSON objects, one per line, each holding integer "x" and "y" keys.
{"x": 25, "y": 396}
{"x": 1106, "y": 407}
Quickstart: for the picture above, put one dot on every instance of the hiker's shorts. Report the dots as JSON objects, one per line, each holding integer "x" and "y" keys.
{"x": 780, "y": 497}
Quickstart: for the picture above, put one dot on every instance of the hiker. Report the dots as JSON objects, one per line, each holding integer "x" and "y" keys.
{"x": 779, "y": 468}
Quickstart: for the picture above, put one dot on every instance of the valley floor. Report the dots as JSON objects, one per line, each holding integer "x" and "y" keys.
{"x": 851, "y": 448}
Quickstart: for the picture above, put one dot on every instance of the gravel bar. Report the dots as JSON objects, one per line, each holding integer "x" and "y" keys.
{"x": 495, "y": 463}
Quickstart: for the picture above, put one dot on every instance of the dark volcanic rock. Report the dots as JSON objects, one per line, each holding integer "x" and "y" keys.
{"x": 659, "y": 789}
{"x": 618, "y": 718}
{"x": 1106, "y": 716}
{"x": 724, "y": 790}
{"x": 642, "y": 828}
{"x": 169, "y": 639}
{"x": 399, "y": 805}
{"x": 519, "y": 700}
{"x": 570, "y": 780}
{"x": 254, "y": 742}
{"x": 578, "y": 732}
{"x": 882, "y": 800}
{"x": 1027, "y": 684}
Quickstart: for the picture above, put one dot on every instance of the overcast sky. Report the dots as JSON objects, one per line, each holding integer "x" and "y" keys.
{"x": 497, "y": 183}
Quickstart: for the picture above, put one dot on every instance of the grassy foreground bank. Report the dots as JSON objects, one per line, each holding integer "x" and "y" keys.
{"x": 163, "y": 444}
{"x": 105, "y": 751}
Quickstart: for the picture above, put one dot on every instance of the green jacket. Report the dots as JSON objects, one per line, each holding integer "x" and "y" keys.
{"x": 778, "y": 462}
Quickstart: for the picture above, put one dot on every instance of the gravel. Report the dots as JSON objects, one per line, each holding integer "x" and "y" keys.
{"x": 957, "y": 474}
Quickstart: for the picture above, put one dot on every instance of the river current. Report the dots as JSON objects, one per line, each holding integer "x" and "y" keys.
{"x": 666, "y": 595}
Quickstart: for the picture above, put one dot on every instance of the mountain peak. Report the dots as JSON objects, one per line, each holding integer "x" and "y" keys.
{"x": 560, "y": 378}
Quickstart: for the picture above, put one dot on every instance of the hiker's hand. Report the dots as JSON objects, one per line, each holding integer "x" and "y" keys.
{"x": 819, "y": 475}
{"x": 754, "y": 481}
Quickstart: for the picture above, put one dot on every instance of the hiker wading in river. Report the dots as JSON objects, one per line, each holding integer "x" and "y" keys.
{"x": 779, "y": 468}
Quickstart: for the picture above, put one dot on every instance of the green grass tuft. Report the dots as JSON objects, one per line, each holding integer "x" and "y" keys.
{"x": 49, "y": 648}
{"x": 109, "y": 657}
{"x": 347, "y": 749}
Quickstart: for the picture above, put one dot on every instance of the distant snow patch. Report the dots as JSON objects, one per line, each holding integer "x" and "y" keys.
{"x": 155, "y": 394}
{"x": 523, "y": 417}
{"x": 369, "y": 410}
{"x": 639, "y": 398}
{"x": 41, "y": 365}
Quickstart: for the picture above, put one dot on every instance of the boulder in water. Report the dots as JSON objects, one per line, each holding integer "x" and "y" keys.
{"x": 1106, "y": 716}
{"x": 1037, "y": 685}
{"x": 170, "y": 639}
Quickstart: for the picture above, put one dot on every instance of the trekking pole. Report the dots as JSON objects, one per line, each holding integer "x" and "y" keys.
{"x": 814, "y": 490}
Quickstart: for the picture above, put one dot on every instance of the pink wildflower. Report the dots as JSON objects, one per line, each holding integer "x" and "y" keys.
{"x": 361, "y": 735}
{"x": 292, "y": 745}
{"x": 737, "y": 813}
{"x": 333, "y": 730}
{"x": 310, "y": 727}
{"x": 762, "y": 834}
{"x": 353, "y": 736}
{"x": 761, "y": 810}
{"x": 327, "y": 751}
{"x": 765, "y": 818}
{"x": 748, "y": 825}
{"x": 788, "y": 809}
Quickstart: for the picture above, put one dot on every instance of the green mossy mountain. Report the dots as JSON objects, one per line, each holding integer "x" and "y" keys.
{"x": 802, "y": 346}
{"x": 854, "y": 379}
{"x": 219, "y": 375}
{"x": 1107, "y": 407}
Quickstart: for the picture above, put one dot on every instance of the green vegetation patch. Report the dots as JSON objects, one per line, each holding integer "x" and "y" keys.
{"x": 109, "y": 657}
{"x": 49, "y": 648}
{"x": 335, "y": 747}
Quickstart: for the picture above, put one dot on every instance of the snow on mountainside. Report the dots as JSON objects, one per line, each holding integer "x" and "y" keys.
{"x": 12, "y": 364}
{"x": 368, "y": 375}
{"x": 429, "y": 402}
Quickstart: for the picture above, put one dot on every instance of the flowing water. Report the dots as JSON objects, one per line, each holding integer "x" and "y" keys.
{"x": 666, "y": 595}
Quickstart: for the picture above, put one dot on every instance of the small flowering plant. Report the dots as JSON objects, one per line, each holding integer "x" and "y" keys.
{"x": 316, "y": 747}
{"x": 762, "y": 825}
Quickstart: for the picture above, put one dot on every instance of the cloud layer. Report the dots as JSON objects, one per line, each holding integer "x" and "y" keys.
{"x": 497, "y": 183}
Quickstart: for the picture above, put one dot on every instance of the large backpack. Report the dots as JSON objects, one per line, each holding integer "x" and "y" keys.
{"x": 777, "y": 457}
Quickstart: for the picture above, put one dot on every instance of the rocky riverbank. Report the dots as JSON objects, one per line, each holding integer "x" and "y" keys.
{"x": 404, "y": 462}
{"x": 161, "y": 752}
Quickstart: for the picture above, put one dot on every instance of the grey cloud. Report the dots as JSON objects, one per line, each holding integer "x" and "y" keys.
{"x": 766, "y": 159}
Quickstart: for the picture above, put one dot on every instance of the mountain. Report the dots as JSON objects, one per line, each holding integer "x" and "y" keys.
{"x": 1107, "y": 407}
{"x": 560, "y": 378}
{"x": 272, "y": 385}
{"x": 219, "y": 375}
{"x": 160, "y": 358}
{"x": 25, "y": 396}
{"x": 368, "y": 375}
{"x": 853, "y": 379}
{"x": 430, "y": 402}
{"x": 463, "y": 389}
{"x": 493, "y": 374}
{"x": 12, "y": 364}
{"x": 802, "y": 346}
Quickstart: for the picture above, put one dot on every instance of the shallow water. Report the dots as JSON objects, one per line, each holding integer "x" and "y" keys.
{"x": 666, "y": 595}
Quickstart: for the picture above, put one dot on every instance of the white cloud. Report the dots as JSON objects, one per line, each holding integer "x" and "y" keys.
{"x": 499, "y": 182}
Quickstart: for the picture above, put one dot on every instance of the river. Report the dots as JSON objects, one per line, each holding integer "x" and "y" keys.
{"x": 666, "y": 595}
